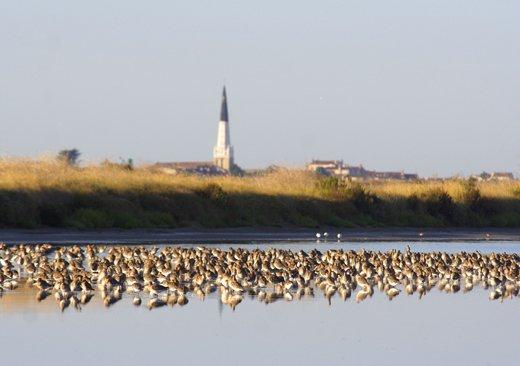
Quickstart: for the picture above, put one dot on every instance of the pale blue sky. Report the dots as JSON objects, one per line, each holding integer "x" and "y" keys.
{"x": 425, "y": 86}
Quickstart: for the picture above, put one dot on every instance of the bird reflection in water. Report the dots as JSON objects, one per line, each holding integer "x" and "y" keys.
{"x": 172, "y": 275}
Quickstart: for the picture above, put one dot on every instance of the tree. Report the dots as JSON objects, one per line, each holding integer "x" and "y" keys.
{"x": 69, "y": 156}
{"x": 127, "y": 164}
{"x": 485, "y": 176}
{"x": 322, "y": 171}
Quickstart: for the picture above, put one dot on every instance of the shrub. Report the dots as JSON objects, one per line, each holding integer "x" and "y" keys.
{"x": 214, "y": 193}
{"x": 516, "y": 192}
{"x": 160, "y": 219}
{"x": 439, "y": 204}
{"x": 126, "y": 220}
{"x": 510, "y": 219}
{"x": 18, "y": 210}
{"x": 471, "y": 196}
{"x": 330, "y": 185}
{"x": 363, "y": 200}
{"x": 53, "y": 214}
{"x": 90, "y": 218}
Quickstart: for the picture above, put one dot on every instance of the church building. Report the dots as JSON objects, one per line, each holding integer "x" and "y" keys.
{"x": 223, "y": 156}
{"x": 223, "y": 151}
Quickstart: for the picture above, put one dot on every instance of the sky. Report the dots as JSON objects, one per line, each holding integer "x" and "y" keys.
{"x": 429, "y": 87}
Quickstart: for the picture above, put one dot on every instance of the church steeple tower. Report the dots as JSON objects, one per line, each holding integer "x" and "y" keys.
{"x": 223, "y": 107}
{"x": 223, "y": 151}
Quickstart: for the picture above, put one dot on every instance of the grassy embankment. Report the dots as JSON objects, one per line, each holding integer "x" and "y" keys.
{"x": 36, "y": 194}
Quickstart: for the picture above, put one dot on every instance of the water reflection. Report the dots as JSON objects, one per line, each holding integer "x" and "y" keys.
{"x": 70, "y": 278}
{"x": 442, "y": 327}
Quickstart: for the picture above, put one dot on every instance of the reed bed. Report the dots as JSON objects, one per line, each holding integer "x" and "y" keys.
{"x": 36, "y": 193}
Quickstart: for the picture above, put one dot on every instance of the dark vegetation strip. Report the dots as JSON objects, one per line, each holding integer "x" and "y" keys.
{"x": 340, "y": 205}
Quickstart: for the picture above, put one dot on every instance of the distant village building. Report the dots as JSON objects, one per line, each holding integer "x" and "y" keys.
{"x": 223, "y": 156}
{"x": 340, "y": 169}
{"x": 326, "y": 167}
{"x": 191, "y": 167}
{"x": 483, "y": 176}
{"x": 501, "y": 176}
{"x": 495, "y": 176}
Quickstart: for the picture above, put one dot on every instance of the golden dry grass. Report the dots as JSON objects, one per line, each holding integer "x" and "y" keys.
{"x": 31, "y": 175}
{"x": 36, "y": 175}
{"x": 47, "y": 192}
{"x": 455, "y": 188}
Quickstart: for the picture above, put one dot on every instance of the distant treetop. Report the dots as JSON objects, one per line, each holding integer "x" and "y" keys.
{"x": 69, "y": 156}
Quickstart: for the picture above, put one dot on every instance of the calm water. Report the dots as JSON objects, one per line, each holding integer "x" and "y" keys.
{"x": 461, "y": 328}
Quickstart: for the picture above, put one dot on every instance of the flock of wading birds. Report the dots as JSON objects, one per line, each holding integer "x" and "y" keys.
{"x": 167, "y": 276}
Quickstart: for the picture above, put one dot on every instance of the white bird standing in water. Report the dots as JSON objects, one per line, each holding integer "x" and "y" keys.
{"x": 326, "y": 234}
{"x": 318, "y": 236}
{"x": 338, "y": 236}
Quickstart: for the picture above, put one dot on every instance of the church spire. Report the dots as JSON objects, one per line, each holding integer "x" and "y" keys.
{"x": 223, "y": 151}
{"x": 223, "y": 108}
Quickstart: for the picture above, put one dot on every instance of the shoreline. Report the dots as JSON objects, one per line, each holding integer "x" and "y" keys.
{"x": 251, "y": 235}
